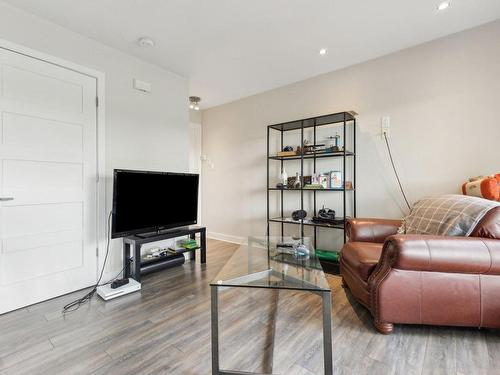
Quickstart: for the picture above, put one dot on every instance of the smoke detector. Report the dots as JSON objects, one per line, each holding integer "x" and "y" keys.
{"x": 146, "y": 42}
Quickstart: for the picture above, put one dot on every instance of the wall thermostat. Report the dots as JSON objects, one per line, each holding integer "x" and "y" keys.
{"x": 141, "y": 85}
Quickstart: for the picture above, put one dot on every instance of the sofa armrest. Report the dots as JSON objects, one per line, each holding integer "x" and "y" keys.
{"x": 437, "y": 280}
{"x": 371, "y": 230}
{"x": 442, "y": 254}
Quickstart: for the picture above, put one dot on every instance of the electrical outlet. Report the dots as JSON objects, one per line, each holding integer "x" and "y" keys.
{"x": 385, "y": 127}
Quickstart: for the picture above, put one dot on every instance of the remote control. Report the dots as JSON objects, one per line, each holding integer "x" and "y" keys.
{"x": 118, "y": 283}
{"x": 284, "y": 244}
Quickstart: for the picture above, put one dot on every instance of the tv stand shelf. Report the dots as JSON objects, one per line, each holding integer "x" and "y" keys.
{"x": 132, "y": 248}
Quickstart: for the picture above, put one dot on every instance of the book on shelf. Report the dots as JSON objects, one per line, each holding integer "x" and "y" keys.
{"x": 313, "y": 186}
{"x": 286, "y": 153}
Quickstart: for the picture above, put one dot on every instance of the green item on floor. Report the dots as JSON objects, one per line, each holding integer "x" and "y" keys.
{"x": 328, "y": 255}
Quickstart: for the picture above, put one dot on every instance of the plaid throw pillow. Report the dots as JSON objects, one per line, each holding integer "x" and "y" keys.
{"x": 447, "y": 215}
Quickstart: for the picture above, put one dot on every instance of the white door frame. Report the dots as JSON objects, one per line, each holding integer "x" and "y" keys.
{"x": 198, "y": 129}
{"x": 101, "y": 219}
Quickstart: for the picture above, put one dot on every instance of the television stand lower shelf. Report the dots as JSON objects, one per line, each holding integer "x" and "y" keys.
{"x": 132, "y": 264}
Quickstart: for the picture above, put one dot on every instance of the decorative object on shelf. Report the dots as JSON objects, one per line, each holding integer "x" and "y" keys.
{"x": 279, "y": 185}
{"x": 326, "y": 213}
{"x": 299, "y": 215}
{"x": 335, "y": 180}
{"x": 313, "y": 148}
{"x": 324, "y": 180}
{"x": 348, "y": 185}
{"x": 288, "y": 148}
{"x": 336, "y": 221}
{"x": 284, "y": 177}
{"x": 332, "y": 143}
{"x": 297, "y": 184}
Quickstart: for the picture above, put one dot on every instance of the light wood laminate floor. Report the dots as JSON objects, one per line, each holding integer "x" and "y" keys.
{"x": 165, "y": 329}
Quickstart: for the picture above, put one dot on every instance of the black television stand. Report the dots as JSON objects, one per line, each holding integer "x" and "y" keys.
{"x": 160, "y": 232}
{"x": 132, "y": 248}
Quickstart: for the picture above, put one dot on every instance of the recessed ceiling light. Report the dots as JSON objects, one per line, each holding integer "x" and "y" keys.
{"x": 146, "y": 42}
{"x": 323, "y": 51}
{"x": 444, "y": 5}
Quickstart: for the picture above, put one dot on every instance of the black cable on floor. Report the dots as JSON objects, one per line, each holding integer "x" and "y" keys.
{"x": 75, "y": 305}
{"x": 395, "y": 171}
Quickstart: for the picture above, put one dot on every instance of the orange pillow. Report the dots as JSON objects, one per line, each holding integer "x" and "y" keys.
{"x": 483, "y": 187}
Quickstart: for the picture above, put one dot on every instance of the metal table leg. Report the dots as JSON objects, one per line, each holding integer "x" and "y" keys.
{"x": 192, "y": 254}
{"x": 327, "y": 332}
{"x": 214, "y": 309}
{"x": 203, "y": 244}
{"x": 137, "y": 263}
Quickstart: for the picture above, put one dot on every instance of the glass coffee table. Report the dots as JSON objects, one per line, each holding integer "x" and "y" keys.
{"x": 260, "y": 264}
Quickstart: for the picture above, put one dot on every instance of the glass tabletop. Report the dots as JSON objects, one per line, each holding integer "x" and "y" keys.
{"x": 274, "y": 262}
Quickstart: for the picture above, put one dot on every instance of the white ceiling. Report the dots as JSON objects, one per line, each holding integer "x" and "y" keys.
{"x": 230, "y": 49}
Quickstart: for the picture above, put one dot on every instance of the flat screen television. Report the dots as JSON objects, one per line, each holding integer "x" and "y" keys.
{"x": 145, "y": 201}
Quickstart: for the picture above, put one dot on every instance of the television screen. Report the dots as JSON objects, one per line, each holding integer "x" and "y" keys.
{"x": 146, "y": 201}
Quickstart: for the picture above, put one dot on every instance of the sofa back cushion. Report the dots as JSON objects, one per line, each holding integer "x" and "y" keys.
{"x": 447, "y": 215}
{"x": 489, "y": 225}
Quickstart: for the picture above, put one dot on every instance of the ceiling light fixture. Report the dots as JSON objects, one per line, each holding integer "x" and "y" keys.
{"x": 146, "y": 42}
{"x": 444, "y": 5}
{"x": 194, "y": 102}
{"x": 323, "y": 51}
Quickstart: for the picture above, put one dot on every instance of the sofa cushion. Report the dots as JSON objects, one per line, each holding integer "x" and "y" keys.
{"x": 362, "y": 257}
{"x": 446, "y": 215}
{"x": 489, "y": 226}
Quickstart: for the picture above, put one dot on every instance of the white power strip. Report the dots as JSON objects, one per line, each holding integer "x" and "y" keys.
{"x": 106, "y": 293}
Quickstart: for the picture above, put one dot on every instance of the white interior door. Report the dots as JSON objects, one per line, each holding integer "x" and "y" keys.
{"x": 48, "y": 166}
{"x": 195, "y": 158}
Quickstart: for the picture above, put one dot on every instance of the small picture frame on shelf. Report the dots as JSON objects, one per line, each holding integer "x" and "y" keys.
{"x": 323, "y": 180}
{"x": 336, "y": 180}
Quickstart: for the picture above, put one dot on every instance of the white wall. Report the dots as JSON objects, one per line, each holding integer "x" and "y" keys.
{"x": 443, "y": 98}
{"x": 143, "y": 131}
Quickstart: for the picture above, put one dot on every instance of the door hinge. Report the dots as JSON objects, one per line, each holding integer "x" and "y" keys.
{"x": 97, "y": 101}
{"x": 97, "y": 252}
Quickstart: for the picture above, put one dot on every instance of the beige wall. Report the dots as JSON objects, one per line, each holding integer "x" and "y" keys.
{"x": 443, "y": 98}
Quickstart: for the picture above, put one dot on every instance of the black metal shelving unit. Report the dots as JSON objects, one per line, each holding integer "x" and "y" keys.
{"x": 342, "y": 119}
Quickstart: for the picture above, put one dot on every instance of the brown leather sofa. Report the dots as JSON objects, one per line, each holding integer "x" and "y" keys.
{"x": 421, "y": 279}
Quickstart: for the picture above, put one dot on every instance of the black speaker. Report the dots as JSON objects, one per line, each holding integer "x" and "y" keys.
{"x": 299, "y": 214}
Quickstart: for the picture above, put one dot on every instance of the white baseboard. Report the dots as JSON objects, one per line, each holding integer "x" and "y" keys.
{"x": 227, "y": 238}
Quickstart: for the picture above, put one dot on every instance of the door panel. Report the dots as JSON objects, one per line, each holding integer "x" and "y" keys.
{"x": 21, "y": 220}
{"x": 64, "y": 257}
{"x": 48, "y": 162}
{"x": 37, "y": 138}
{"x": 38, "y": 88}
